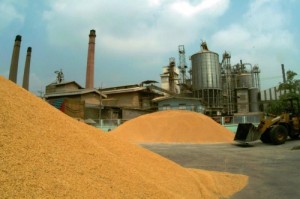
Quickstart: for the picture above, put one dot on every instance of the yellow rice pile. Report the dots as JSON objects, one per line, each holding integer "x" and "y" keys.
{"x": 173, "y": 126}
{"x": 46, "y": 154}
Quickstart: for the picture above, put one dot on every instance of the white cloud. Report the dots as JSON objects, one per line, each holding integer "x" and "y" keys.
{"x": 128, "y": 26}
{"x": 9, "y": 14}
{"x": 209, "y": 7}
{"x": 154, "y": 2}
{"x": 234, "y": 36}
{"x": 260, "y": 38}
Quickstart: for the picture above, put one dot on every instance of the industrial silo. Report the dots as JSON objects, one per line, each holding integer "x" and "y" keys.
{"x": 244, "y": 80}
{"x": 254, "y": 99}
{"x": 206, "y": 78}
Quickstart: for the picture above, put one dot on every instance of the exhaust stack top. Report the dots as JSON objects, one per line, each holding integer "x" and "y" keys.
{"x": 89, "y": 84}
{"x": 15, "y": 59}
{"x": 27, "y": 69}
{"x": 283, "y": 73}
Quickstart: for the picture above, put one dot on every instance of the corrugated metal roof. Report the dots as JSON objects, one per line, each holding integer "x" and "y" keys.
{"x": 125, "y": 90}
{"x": 72, "y": 93}
{"x": 158, "y": 99}
{"x": 64, "y": 83}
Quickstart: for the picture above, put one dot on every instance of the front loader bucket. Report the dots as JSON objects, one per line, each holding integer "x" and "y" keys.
{"x": 246, "y": 132}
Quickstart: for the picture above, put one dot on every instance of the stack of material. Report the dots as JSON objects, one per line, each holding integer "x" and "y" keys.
{"x": 173, "y": 126}
{"x": 46, "y": 154}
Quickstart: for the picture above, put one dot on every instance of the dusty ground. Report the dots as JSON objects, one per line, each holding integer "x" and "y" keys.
{"x": 274, "y": 171}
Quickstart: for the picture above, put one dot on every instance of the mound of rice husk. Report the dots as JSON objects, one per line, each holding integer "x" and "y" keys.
{"x": 46, "y": 154}
{"x": 173, "y": 126}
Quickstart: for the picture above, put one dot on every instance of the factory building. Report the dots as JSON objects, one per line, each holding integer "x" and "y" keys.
{"x": 130, "y": 101}
{"x": 214, "y": 88}
{"x": 179, "y": 103}
{"x": 170, "y": 77}
{"x": 241, "y": 86}
{"x": 222, "y": 88}
{"x": 74, "y": 100}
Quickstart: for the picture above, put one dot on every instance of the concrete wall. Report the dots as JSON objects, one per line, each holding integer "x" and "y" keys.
{"x": 57, "y": 88}
{"x": 123, "y": 100}
{"x": 130, "y": 113}
{"x": 91, "y": 98}
{"x": 242, "y": 100}
{"x": 184, "y": 104}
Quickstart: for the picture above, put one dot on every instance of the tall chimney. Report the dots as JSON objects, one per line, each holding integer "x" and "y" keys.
{"x": 283, "y": 73}
{"x": 15, "y": 59}
{"x": 89, "y": 83}
{"x": 27, "y": 69}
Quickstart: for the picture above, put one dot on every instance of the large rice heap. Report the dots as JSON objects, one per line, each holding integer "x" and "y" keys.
{"x": 46, "y": 154}
{"x": 176, "y": 126}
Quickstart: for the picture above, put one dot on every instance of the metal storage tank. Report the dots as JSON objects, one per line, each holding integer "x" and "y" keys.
{"x": 206, "y": 78}
{"x": 254, "y": 99}
{"x": 244, "y": 80}
{"x": 242, "y": 101}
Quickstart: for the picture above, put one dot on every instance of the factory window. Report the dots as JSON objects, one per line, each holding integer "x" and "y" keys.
{"x": 166, "y": 107}
{"x": 242, "y": 97}
{"x": 182, "y": 106}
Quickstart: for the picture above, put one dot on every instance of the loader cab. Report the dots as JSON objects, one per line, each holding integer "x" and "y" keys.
{"x": 292, "y": 106}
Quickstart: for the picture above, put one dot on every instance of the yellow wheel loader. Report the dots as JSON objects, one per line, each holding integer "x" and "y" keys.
{"x": 273, "y": 130}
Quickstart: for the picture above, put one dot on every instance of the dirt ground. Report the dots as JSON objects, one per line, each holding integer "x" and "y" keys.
{"x": 274, "y": 171}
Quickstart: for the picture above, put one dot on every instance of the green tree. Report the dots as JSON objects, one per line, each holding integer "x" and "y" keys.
{"x": 290, "y": 88}
{"x": 275, "y": 107}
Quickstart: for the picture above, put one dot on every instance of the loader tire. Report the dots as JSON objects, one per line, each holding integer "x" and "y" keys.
{"x": 294, "y": 134}
{"x": 265, "y": 137}
{"x": 278, "y": 134}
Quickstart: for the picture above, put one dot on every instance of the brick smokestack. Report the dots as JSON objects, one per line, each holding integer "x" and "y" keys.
{"x": 283, "y": 73}
{"x": 27, "y": 69}
{"x": 15, "y": 59}
{"x": 89, "y": 83}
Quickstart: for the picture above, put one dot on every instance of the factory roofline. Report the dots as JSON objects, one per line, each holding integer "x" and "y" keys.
{"x": 173, "y": 97}
{"x": 158, "y": 99}
{"x": 128, "y": 88}
{"x": 116, "y": 90}
{"x": 64, "y": 83}
{"x": 72, "y": 93}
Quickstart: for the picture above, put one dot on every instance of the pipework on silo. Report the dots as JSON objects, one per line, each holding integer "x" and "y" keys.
{"x": 15, "y": 59}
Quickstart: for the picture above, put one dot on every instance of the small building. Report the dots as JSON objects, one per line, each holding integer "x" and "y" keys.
{"x": 74, "y": 100}
{"x": 179, "y": 103}
{"x": 130, "y": 101}
{"x": 170, "y": 80}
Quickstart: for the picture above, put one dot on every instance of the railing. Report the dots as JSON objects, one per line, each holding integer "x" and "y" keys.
{"x": 107, "y": 124}
{"x": 110, "y": 124}
{"x": 237, "y": 119}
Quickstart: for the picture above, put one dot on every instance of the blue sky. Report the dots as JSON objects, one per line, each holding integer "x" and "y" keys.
{"x": 136, "y": 38}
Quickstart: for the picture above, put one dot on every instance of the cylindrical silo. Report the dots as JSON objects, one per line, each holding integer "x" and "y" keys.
{"x": 254, "y": 99}
{"x": 206, "y": 78}
{"x": 244, "y": 80}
